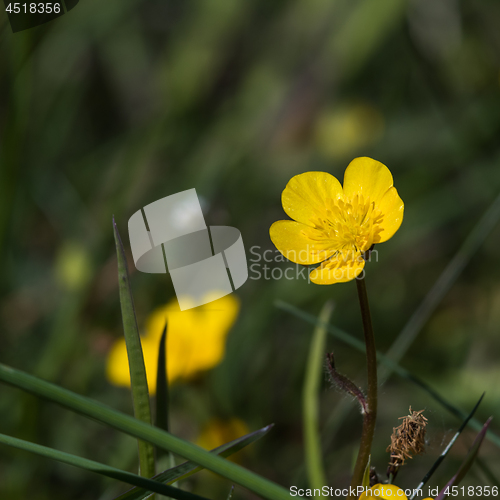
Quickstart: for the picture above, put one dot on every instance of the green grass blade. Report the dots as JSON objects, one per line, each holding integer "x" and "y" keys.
{"x": 138, "y": 380}
{"x": 310, "y": 400}
{"x": 366, "y": 475}
{"x": 441, "y": 287}
{"x": 348, "y": 339}
{"x": 104, "y": 470}
{"x": 141, "y": 430}
{"x": 162, "y": 398}
{"x": 467, "y": 463}
{"x": 161, "y": 420}
{"x": 437, "y": 463}
{"x": 186, "y": 469}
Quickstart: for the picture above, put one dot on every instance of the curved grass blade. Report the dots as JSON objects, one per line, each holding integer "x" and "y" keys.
{"x": 467, "y": 463}
{"x": 437, "y": 463}
{"x": 402, "y": 372}
{"x": 102, "y": 469}
{"x": 141, "y": 430}
{"x": 310, "y": 400}
{"x": 138, "y": 381}
{"x": 187, "y": 469}
{"x": 366, "y": 475}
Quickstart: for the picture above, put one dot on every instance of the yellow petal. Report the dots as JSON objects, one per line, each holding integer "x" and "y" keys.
{"x": 367, "y": 177}
{"x": 117, "y": 369}
{"x": 218, "y": 432}
{"x": 196, "y": 339}
{"x": 306, "y": 196}
{"x": 392, "y": 208}
{"x": 385, "y": 492}
{"x": 338, "y": 269}
{"x": 293, "y": 240}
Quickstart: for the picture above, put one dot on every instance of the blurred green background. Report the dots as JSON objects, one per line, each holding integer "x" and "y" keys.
{"x": 119, "y": 103}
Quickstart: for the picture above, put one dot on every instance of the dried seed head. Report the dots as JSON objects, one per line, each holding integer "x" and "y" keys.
{"x": 407, "y": 440}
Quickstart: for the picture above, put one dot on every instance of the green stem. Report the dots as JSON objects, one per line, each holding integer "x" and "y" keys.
{"x": 310, "y": 401}
{"x": 370, "y": 416}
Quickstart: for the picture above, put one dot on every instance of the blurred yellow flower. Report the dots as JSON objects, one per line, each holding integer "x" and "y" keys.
{"x": 335, "y": 225}
{"x": 196, "y": 341}
{"x": 384, "y": 491}
{"x": 73, "y": 267}
{"x": 347, "y": 129}
{"x": 218, "y": 432}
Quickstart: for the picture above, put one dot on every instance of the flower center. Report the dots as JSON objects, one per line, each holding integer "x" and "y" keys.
{"x": 350, "y": 225}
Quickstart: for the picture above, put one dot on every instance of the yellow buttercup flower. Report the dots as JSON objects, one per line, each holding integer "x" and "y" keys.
{"x": 384, "y": 491}
{"x": 336, "y": 225}
{"x": 196, "y": 341}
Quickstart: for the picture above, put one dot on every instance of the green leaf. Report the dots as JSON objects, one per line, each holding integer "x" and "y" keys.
{"x": 102, "y": 469}
{"x": 366, "y": 475}
{"x": 467, "y": 463}
{"x": 138, "y": 380}
{"x": 310, "y": 400}
{"x": 162, "y": 399}
{"x": 350, "y": 340}
{"x": 141, "y": 430}
{"x": 437, "y": 463}
{"x": 187, "y": 469}
{"x": 162, "y": 385}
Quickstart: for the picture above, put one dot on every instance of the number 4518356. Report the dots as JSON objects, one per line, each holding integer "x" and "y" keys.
{"x": 34, "y": 8}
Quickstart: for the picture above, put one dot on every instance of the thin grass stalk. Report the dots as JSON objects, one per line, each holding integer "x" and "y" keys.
{"x": 310, "y": 401}
{"x": 138, "y": 380}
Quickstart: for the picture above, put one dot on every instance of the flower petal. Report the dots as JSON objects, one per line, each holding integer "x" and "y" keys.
{"x": 306, "y": 196}
{"x": 293, "y": 240}
{"x": 392, "y": 208}
{"x": 217, "y": 432}
{"x": 367, "y": 177}
{"x": 338, "y": 269}
{"x": 117, "y": 368}
{"x": 384, "y": 492}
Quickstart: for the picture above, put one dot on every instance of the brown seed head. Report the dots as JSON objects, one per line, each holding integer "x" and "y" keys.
{"x": 407, "y": 440}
